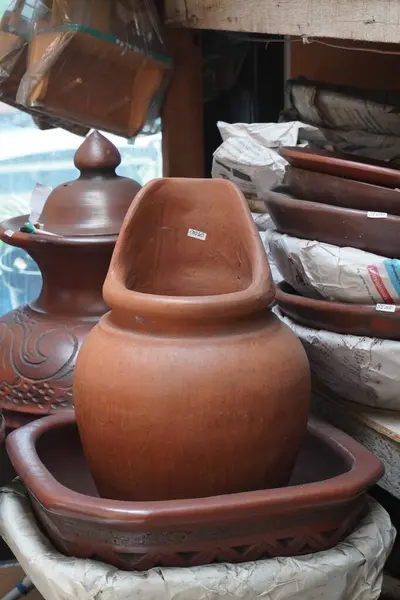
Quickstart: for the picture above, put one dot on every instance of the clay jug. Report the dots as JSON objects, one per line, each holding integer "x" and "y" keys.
{"x": 190, "y": 386}
{"x": 39, "y": 342}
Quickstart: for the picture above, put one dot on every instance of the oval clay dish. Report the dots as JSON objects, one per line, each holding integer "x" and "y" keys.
{"x": 334, "y": 225}
{"x": 347, "y": 193}
{"x": 351, "y": 319}
{"x": 320, "y": 506}
{"x": 346, "y": 166}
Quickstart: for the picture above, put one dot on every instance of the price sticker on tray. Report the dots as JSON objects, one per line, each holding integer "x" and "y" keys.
{"x": 390, "y": 308}
{"x": 376, "y": 215}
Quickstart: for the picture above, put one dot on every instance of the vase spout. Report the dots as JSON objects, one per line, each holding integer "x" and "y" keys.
{"x": 189, "y": 242}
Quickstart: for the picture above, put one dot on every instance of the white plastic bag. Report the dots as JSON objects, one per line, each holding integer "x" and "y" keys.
{"x": 319, "y": 270}
{"x": 361, "y": 369}
{"x": 249, "y": 156}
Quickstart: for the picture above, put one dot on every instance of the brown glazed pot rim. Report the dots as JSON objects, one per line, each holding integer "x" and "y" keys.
{"x": 339, "y": 317}
{"x": 364, "y": 470}
{"x": 343, "y": 227}
{"x": 288, "y": 201}
{"x": 347, "y": 167}
{"x": 256, "y": 297}
{"x": 32, "y": 240}
{"x": 285, "y": 292}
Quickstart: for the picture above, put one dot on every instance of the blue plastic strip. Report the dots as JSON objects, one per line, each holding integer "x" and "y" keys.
{"x": 24, "y": 591}
{"x": 393, "y": 270}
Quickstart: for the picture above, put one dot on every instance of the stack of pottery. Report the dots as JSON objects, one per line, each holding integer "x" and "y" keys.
{"x": 73, "y": 245}
{"x": 191, "y": 402}
{"x": 336, "y": 244}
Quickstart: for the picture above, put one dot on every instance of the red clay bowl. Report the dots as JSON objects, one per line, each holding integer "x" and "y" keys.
{"x": 353, "y": 319}
{"x": 321, "y": 505}
{"x": 346, "y": 166}
{"x": 337, "y": 191}
{"x": 334, "y": 225}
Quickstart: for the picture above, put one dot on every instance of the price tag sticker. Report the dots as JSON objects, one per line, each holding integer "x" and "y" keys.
{"x": 198, "y": 235}
{"x": 390, "y": 308}
{"x": 376, "y": 215}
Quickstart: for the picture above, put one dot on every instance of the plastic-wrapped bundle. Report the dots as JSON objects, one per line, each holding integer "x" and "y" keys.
{"x": 15, "y": 30}
{"x": 99, "y": 64}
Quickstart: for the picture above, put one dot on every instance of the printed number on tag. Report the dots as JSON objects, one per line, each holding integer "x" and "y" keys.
{"x": 376, "y": 215}
{"x": 199, "y": 235}
{"x": 386, "y": 307}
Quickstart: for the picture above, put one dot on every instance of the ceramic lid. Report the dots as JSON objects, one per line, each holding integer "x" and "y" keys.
{"x": 96, "y": 202}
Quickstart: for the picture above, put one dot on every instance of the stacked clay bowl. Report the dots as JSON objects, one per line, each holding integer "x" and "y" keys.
{"x": 336, "y": 243}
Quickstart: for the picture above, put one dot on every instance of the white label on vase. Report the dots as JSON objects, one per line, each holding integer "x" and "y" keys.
{"x": 38, "y": 200}
{"x": 376, "y": 215}
{"x": 386, "y": 308}
{"x": 199, "y": 235}
{"x": 9, "y": 232}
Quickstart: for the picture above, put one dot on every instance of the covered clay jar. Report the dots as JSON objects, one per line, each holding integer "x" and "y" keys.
{"x": 39, "y": 342}
{"x": 190, "y": 386}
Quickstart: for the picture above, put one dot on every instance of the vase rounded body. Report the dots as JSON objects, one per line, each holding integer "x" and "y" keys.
{"x": 190, "y": 386}
{"x": 72, "y": 243}
{"x": 39, "y": 342}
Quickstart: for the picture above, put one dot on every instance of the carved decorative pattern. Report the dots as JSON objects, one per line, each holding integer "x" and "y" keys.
{"x": 37, "y": 360}
{"x": 74, "y": 544}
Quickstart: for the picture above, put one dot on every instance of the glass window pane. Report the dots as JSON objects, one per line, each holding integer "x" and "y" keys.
{"x": 29, "y": 156}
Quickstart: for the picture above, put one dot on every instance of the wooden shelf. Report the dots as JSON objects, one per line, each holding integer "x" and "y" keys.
{"x": 366, "y": 20}
{"x": 377, "y": 430}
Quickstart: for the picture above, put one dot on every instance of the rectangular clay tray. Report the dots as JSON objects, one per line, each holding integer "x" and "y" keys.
{"x": 318, "y": 509}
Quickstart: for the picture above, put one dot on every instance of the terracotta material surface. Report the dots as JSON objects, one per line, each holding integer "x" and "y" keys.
{"x": 95, "y": 203}
{"x": 316, "y": 511}
{"x": 338, "y": 191}
{"x": 334, "y": 224}
{"x": 347, "y": 166}
{"x": 353, "y": 319}
{"x": 188, "y": 351}
{"x": 39, "y": 342}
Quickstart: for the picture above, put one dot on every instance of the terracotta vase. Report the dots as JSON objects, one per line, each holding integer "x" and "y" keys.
{"x": 352, "y": 319}
{"x": 39, "y": 342}
{"x": 342, "y": 165}
{"x": 189, "y": 382}
{"x": 322, "y": 504}
{"x": 377, "y": 232}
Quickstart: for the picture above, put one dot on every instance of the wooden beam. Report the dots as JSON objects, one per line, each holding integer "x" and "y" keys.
{"x": 183, "y": 110}
{"x": 369, "y": 20}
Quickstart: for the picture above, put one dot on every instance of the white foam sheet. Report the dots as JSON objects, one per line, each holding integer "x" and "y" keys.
{"x": 350, "y": 571}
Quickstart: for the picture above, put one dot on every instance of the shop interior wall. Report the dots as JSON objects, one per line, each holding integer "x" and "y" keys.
{"x": 360, "y": 68}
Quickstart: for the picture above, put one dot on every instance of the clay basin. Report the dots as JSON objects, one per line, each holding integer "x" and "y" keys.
{"x": 333, "y": 224}
{"x": 342, "y": 165}
{"x": 337, "y": 191}
{"x": 319, "y": 508}
{"x": 352, "y": 319}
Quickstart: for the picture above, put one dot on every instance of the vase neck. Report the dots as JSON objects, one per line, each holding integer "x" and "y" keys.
{"x": 72, "y": 280}
{"x": 182, "y": 327}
